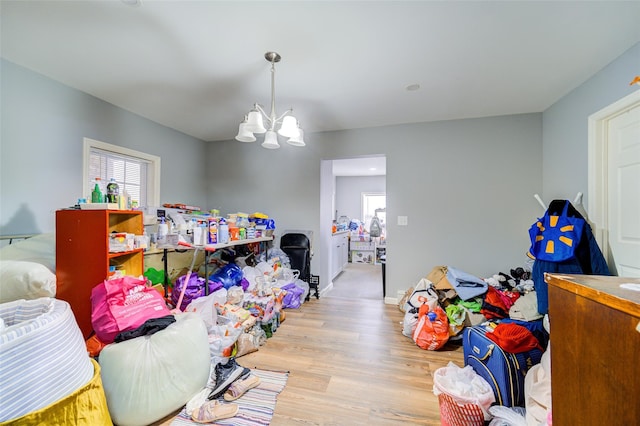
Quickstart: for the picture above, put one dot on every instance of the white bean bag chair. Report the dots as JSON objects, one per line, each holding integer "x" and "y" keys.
{"x": 43, "y": 357}
{"x": 149, "y": 377}
{"x": 87, "y": 406}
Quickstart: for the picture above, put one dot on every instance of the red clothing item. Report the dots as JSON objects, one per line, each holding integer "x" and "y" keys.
{"x": 514, "y": 338}
{"x": 508, "y": 298}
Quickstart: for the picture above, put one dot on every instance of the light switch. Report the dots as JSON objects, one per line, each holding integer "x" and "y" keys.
{"x": 403, "y": 220}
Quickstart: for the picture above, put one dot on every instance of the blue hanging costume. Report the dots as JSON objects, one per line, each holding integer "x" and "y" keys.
{"x": 587, "y": 258}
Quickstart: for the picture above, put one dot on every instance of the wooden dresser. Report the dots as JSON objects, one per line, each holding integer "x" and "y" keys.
{"x": 595, "y": 351}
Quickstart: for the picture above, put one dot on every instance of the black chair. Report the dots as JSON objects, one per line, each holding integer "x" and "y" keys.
{"x": 297, "y": 245}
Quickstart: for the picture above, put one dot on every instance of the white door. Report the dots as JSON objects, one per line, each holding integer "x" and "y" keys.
{"x": 623, "y": 191}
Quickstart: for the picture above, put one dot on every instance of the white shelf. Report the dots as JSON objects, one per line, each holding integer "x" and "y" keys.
{"x": 212, "y": 247}
{"x": 99, "y": 206}
{"x": 237, "y": 243}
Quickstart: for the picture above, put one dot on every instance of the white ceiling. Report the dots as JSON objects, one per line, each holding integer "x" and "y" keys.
{"x": 198, "y": 66}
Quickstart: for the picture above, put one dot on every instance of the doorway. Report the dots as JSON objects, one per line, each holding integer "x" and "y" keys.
{"x": 614, "y": 192}
{"x": 358, "y": 189}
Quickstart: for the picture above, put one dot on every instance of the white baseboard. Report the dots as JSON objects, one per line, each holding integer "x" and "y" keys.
{"x": 391, "y": 301}
{"x": 327, "y": 289}
{"x": 387, "y": 300}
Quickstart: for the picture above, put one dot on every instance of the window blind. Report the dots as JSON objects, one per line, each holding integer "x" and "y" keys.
{"x": 130, "y": 173}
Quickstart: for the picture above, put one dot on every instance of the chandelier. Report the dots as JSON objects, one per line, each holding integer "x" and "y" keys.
{"x": 254, "y": 122}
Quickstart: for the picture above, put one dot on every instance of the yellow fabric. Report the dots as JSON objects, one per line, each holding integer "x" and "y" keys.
{"x": 553, "y": 221}
{"x": 566, "y": 240}
{"x": 550, "y": 247}
{"x": 87, "y": 406}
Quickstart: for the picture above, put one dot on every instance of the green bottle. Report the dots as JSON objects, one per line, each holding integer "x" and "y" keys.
{"x": 96, "y": 194}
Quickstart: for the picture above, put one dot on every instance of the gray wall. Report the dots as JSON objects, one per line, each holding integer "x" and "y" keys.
{"x": 349, "y": 191}
{"x": 465, "y": 185}
{"x": 565, "y": 167}
{"x": 43, "y": 126}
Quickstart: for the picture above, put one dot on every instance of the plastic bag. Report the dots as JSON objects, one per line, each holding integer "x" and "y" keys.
{"x": 222, "y": 338}
{"x": 195, "y": 289}
{"x": 507, "y": 416}
{"x": 292, "y": 298}
{"x": 235, "y": 313}
{"x": 276, "y": 256}
{"x": 229, "y": 275}
{"x": 432, "y": 330}
{"x": 235, "y": 295}
{"x": 205, "y": 308}
{"x": 286, "y": 276}
{"x": 464, "y": 385}
{"x": 375, "y": 228}
{"x": 249, "y": 342}
{"x": 305, "y": 289}
{"x": 263, "y": 308}
{"x": 249, "y": 273}
{"x": 423, "y": 292}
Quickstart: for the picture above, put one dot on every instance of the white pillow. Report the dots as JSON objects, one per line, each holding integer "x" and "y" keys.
{"x": 25, "y": 280}
{"x": 40, "y": 249}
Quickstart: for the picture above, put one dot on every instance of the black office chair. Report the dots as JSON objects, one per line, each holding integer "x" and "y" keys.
{"x": 297, "y": 245}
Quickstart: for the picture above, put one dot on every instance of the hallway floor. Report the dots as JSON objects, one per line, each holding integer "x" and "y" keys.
{"x": 358, "y": 281}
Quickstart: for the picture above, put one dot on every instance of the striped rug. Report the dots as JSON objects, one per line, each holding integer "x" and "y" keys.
{"x": 255, "y": 407}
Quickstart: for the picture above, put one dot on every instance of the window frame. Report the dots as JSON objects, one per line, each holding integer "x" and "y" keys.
{"x": 153, "y": 172}
{"x": 364, "y": 195}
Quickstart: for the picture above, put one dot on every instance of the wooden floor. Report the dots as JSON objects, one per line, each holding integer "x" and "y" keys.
{"x": 358, "y": 280}
{"x": 350, "y": 364}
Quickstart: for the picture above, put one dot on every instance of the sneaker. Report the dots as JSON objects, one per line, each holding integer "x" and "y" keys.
{"x": 225, "y": 375}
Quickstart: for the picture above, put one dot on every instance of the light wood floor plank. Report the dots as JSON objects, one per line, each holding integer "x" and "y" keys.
{"x": 349, "y": 364}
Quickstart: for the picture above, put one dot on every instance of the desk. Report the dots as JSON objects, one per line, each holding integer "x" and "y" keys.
{"x": 208, "y": 248}
{"x": 595, "y": 331}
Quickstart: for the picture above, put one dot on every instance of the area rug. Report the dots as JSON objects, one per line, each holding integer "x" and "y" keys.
{"x": 256, "y": 407}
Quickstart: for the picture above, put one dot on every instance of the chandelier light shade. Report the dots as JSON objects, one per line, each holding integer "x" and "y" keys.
{"x": 244, "y": 135}
{"x": 270, "y": 140}
{"x": 284, "y": 125}
{"x": 297, "y": 140}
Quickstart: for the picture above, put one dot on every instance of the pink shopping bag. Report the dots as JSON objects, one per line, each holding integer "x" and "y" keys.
{"x": 123, "y": 304}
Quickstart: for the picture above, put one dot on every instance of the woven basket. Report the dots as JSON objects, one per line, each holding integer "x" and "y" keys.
{"x": 454, "y": 414}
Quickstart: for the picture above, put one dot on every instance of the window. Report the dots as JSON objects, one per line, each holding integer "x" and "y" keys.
{"x": 137, "y": 173}
{"x": 370, "y": 203}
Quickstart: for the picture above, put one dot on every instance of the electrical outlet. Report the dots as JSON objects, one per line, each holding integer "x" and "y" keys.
{"x": 403, "y": 220}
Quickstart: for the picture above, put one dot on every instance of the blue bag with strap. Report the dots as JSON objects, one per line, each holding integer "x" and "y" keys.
{"x": 554, "y": 238}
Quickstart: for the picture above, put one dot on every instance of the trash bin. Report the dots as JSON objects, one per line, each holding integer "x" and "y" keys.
{"x": 463, "y": 395}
